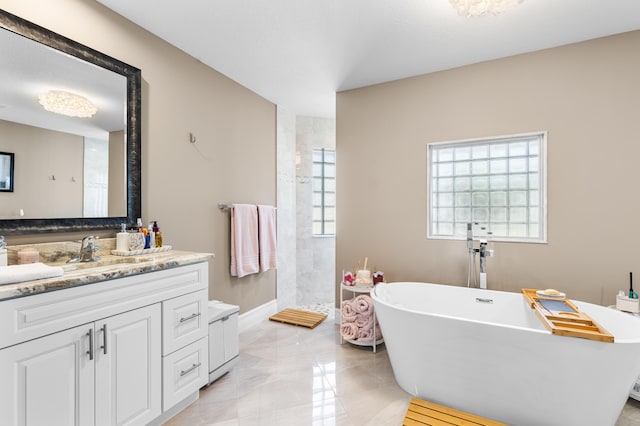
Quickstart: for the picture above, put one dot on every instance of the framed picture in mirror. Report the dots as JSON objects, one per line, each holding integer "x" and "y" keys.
{"x": 6, "y": 171}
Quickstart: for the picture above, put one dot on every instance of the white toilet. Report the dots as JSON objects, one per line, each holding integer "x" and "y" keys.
{"x": 224, "y": 347}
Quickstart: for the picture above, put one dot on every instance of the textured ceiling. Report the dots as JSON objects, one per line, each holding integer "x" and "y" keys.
{"x": 299, "y": 53}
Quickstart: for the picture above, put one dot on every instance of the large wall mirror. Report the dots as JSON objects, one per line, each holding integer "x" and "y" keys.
{"x": 70, "y": 116}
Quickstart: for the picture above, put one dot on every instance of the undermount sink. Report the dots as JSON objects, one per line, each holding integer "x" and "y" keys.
{"x": 106, "y": 261}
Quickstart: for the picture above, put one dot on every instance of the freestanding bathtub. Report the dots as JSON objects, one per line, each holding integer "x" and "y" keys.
{"x": 486, "y": 352}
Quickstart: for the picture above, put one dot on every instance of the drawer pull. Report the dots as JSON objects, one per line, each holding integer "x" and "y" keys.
{"x": 190, "y": 369}
{"x": 190, "y": 317}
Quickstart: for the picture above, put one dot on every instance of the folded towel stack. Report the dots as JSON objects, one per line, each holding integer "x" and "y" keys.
{"x": 358, "y": 319}
{"x": 28, "y": 272}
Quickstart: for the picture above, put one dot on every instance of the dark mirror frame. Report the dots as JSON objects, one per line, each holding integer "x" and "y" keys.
{"x": 42, "y": 35}
{"x": 12, "y": 158}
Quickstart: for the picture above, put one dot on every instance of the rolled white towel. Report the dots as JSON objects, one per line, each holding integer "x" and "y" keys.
{"x": 349, "y": 330}
{"x": 348, "y": 313}
{"x": 28, "y": 272}
{"x": 363, "y": 304}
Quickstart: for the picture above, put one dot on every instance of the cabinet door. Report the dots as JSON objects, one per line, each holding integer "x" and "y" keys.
{"x": 216, "y": 345}
{"x": 231, "y": 341}
{"x": 223, "y": 341}
{"x": 48, "y": 381}
{"x": 129, "y": 367}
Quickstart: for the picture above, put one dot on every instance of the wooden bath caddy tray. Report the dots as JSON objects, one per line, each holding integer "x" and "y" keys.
{"x": 563, "y": 318}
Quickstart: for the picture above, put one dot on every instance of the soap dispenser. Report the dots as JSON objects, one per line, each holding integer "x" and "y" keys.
{"x": 122, "y": 238}
{"x": 3, "y": 252}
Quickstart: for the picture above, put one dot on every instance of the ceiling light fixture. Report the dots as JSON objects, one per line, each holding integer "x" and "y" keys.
{"x": 67, "y": 103}
{"x": 482, "y": 7}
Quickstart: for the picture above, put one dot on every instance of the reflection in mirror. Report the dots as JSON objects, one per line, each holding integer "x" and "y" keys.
{"x": 79, "y": 169}
{"x": 6, "y": 171}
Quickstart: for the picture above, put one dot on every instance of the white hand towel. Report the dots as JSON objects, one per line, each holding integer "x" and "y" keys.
{"x": 244, "y": 240}
{"x": 267, "y": 237}
{"x": 28, "y": 272}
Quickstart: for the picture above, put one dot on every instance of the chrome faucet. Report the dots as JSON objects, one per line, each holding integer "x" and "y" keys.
{"x": 483, "y": 256}
{"x": 87, "y": 249}
{"x": 483, "y": 253}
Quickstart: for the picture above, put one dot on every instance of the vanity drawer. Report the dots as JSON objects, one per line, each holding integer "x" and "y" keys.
{"x": 184, "y": 372}
{"x": 184, "y": 320}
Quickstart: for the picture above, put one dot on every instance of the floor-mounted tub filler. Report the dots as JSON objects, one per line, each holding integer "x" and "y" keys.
{"x": 486, "y": 352}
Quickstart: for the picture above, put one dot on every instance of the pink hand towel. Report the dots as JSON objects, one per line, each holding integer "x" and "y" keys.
{"x": 349, "y": 330}
{"x": 348, "y": 314}
{"x": 367, "y": 335}
{"x": 363, "y": 304}
{"x": 364, "y": 322}
{"x": 267, "y": 236}
{"x": 244, "y": 240}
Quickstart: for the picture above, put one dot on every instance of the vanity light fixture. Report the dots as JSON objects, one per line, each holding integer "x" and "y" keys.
{"x": 67, "y": 103}
{"x": 482, "y": 7}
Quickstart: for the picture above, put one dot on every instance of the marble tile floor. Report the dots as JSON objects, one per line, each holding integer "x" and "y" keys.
{"x": 294, "y": 376}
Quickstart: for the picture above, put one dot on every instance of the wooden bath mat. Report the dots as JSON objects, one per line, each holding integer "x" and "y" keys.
{"x": 298, "y": 317}
{"x": 421, "y": 413}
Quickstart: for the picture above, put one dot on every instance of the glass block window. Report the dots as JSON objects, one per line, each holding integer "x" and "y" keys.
{"x": 324, "y": 192}
{"x": 498, "y": 183}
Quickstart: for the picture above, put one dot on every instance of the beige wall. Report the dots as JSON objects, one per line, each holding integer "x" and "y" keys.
{"x": 232, "y": 161}
{"x": 585, "y": 95}
{"x": 40, "y": 155}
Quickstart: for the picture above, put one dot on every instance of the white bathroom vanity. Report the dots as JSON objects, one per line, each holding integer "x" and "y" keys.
{"x": 125, "y": 343}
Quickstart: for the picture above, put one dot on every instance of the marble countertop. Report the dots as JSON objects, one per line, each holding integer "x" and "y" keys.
{"x": 107, "y": 268}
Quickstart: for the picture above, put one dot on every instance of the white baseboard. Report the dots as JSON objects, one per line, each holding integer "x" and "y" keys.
{"x": 257, "y": 315}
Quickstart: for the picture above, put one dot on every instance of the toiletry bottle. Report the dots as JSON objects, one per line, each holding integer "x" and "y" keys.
{"x": 152, "y": 236}
{"x": 3, "y": 252}
{"x": 122, "y": 238}
{"x": 147, "y": 240}
{"x": 156, "y": 228}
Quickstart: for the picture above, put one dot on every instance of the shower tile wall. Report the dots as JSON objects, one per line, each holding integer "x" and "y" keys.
{"x": 315, "y": 256}
{"x": 286, "y": 199}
